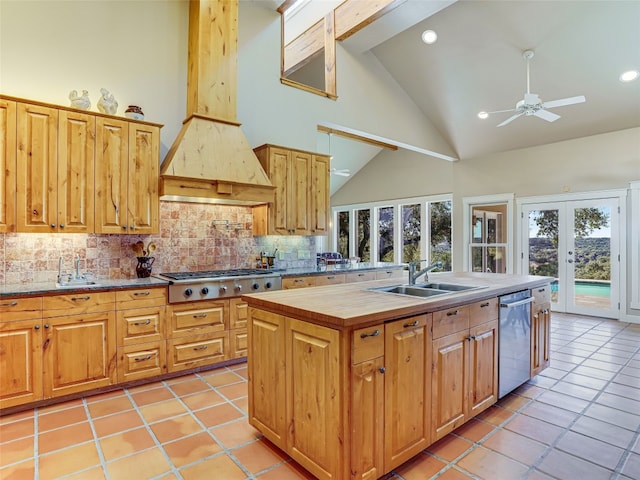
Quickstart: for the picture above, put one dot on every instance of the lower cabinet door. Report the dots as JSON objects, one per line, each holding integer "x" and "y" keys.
{"x": 483, "y": 381}
{"x": 79, "y": 353}
{"x": 20, "y": 362}
{"x": 141, "y": 361}
{"x": 197, "y": 350}
{"x": 238, "y": 343}
{"x": 367, "y": 419}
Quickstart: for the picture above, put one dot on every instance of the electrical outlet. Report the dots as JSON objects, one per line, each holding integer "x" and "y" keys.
{"x": 304, "y": 254}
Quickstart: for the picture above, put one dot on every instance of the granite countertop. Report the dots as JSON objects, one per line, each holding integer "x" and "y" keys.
{"x": 31, "y": 289}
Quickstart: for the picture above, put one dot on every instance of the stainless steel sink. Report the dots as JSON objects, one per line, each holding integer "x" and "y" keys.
{"x": 77, "y": 284}
{"x": 410, "y": 290}
{"x": 449, "y": 287}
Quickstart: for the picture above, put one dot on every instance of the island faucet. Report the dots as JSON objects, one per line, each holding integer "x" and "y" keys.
{"x": 77, "y": 266}
{"x": 413, "y": 275}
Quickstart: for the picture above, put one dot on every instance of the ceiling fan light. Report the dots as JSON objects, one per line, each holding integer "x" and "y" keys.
{"x": 629, "y": 76}
{"x": 483, "y": 115}
{"x": 429, "y": 37}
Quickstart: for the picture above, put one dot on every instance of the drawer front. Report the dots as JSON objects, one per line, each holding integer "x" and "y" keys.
{"x": 238, "y": 339}
{"x": 329, "y": 279}
{"x": 197, "y": 350}
{"x": 298, "y": 282}
{"x": 360, "y": 276}
{"x": 542, "y": 294}
{"x": 238, "y": 313}
{"x": 142, "y": 297}
{"x": 484, "y": 311}
{"x": 195, "y": 318}
{"x": 12, "y": 309}
{"x": 77, "y": 303}
{"x": 142, "y": 361}
{"x": 367, "y": 344}
{"x": 446, "y": 322}
{"x": 395, "y": 273}
{"x": 140, "y": 325}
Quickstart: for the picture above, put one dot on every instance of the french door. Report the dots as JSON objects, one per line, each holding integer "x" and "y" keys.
{"x": 577, "y": 243}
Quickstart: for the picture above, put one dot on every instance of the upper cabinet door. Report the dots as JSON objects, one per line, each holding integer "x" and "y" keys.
{"x": 299, "y": 194}
{"x": 7, "y": 165}
{"x": 37, "y": 137}
{"x": 77, "y": 139}
{"x": 144, "y": 164}
{"x": 319, "y": 195}
{"x": 112, "y": 175}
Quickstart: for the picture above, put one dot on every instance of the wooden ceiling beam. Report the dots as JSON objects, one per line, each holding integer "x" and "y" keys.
{"x": 358, "y": 138}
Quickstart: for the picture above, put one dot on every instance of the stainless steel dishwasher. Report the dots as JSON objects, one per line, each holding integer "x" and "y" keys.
{"x": 515, "y": 341}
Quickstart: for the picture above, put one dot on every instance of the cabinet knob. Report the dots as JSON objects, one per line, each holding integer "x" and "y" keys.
{"x": 124, "y": 227}
{"x": 37, "y": 327}
{"x": 382, "y": 369}
{"x": 132, "y": 227}
{"x": 62, "y": 225}
{"x": 53, "y": 225}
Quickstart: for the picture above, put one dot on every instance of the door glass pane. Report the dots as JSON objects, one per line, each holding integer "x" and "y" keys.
{"x": 343, "y": 234}
{"x": 410, "y": 233}
{"x": 440, "y": 213}
{"x": 592, "y": 257}
{"x": 543, "y": 246}
{"x": 488, "y": 259}
{"x": 385, "y": 234}
{"x": 364, "y": 235}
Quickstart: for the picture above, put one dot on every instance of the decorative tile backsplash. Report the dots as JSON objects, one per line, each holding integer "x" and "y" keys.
{"x": 192, "y": 237}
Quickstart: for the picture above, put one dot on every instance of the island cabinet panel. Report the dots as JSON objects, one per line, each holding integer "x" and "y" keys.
{"x": 314, "y": 398}
{"x": 7, "y": 165}
{"x": 540, "y": 329}
{"x": 407, "y": 389}
{"x": 266, "y": 366}
{"x": 483, "y": 382}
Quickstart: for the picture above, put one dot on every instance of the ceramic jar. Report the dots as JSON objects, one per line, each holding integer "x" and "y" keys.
{"x": 143, "y": 269}
{"x": 135, "y": 112}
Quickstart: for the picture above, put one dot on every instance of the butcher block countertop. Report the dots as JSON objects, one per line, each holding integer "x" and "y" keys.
{"x": 352, "y": 305}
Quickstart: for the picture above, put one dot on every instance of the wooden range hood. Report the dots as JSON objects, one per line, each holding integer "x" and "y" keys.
{"x": 211, "y": 160}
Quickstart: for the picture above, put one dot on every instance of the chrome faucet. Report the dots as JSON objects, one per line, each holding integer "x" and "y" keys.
{"x": 78, "y": 267}
{"x": 413, "y": 275}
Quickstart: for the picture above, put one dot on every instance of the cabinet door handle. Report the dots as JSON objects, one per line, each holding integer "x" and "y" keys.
{"x": 298, "y": 280}
{"x": 142, "y": 359}
{"x": 375, "y": 333}
{"x": 143, "y": 323}
{"x": 141, "y": 294}
{"x": 540, "y": 290}
{"x": 331, "y": 277}
{"x": 201, "y": 347}
{"x": 471, "y": 337}
{"x": 361, "y": 274}
{"x": 482, "y": 305}
{"x": 81, "y": 299}
{"x": 451, "y": 314}
{"x": 412, "y": 324}
{"x": 200, "y": 315}
{"x": 10, "y": 304}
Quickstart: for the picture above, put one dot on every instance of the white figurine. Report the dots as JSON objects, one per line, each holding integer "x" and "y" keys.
{"x": 82, "y": 103}
{"x": 107, "y": 104}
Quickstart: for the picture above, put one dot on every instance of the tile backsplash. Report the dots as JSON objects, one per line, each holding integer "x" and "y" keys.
{"x": 192, "y": 237}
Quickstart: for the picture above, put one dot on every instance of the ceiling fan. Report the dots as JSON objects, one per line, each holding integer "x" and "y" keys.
{"x": 344, "y": 172}
{"x": 531, "y": 103}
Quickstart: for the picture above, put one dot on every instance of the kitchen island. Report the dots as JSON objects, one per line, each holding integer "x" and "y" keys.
{"x": 352, "y": 382}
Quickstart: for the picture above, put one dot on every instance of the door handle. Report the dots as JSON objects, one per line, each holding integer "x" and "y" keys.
{"x": 570, "y": 261}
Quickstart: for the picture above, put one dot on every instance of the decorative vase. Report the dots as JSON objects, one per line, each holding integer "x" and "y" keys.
{"x": 135, "y": 112}
{"x": 143, "y": 269}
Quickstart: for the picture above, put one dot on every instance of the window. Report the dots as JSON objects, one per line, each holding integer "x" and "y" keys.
{"x": 403, "y": 231}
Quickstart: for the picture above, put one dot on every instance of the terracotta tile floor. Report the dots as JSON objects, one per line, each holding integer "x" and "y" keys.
{"x": 579, "y": 420}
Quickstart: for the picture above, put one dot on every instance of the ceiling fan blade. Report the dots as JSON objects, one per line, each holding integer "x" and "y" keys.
{"x": 548, "y": 116}
{"x": 501, "y": 111}
{"x": 564, "y": 101}
{"x": 510, "y": 119}
{"x": 342, "y": 173}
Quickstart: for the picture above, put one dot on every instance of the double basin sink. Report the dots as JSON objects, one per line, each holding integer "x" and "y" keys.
{"x": 424, "y": 290}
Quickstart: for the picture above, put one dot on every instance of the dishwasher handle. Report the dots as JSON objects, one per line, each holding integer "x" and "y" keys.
{"x": 517, "y": 303}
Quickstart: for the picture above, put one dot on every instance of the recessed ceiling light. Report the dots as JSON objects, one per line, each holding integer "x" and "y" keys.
{"x": 429, "y": 37}
{"x": 629, "y": 76}
{"x": 483, "y": 115}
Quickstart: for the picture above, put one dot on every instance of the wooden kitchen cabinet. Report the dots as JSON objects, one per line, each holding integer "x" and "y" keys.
{"x": 127, "y": 166}
{"x": 238, "y": 319}
{"x": 301, "y": 203}
{"x": 7, "y": 165}
{"x": 20, "y": 351}
{"x": 540, "y": 329}
{"x": 79, "y": 349}
{"x": 465, "y": 364}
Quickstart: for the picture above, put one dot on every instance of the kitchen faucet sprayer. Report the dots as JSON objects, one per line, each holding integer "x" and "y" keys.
{"x": 413, "y": 275}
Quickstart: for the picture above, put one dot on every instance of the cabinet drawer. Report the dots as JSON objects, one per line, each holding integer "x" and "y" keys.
{"x": 484, "y": 311}
{"x": 298, "y": 282}
{"x": 446, "y": 322}
{"x": 141, "y": 297}
{"x": 198, "y": 318}
{"x": 359, "y": 276}
{"x": 141, "y": 361}
{"x": 331, "y": 279}
{"x": 368, "y": 343}
{"x": 78, "y": 303}
{"x": 542, "y": 294}
{"x": 238, "y": 313}
{"x": 20, "y": 308}
{"x": 238, "y": 339}
{"x": 395, "y": 273}
{"x": 197, "y": 350}
{"x": 140, "y": 325}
